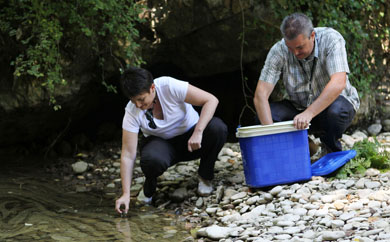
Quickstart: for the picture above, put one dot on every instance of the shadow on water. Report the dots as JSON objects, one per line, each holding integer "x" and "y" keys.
{"x": 33, "y": 207}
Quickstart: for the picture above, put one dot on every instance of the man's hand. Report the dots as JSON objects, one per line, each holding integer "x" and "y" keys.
{"x": 194, "y": 143}
{"x": 123, "y": 200}
{"x": 302, "y": 120}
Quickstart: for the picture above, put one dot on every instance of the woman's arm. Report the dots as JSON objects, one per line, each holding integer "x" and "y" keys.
{"x": 209, "y": 103}
{"x": 128, "y": 155}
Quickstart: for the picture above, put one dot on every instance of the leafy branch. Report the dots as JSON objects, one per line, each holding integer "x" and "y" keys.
{"x": 43, "y": 32}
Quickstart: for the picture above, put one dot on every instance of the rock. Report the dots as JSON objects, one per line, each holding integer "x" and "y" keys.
{"x": 275, "y": 230}
{"x": 332, "y": 235}
{"x": 300, "y": 211}
{"x": 355, "y": 206}
{"x": 374, "y": 129}
{"x": 337, "y": 223}
{"x": 252, "y": 200}
{"x": 328, "y": 198}
{"x": 219, "y": 194}
{"x": 339, "y": 205}
{"x": 348, "y": 140}
{"x": 215, "y": 232}
{"x": 228, "y": 152}
{"x": 238, "y": 196}
{"x": 285, "y": 223}
{"x": 179, "y": 194}
{"x": 380, "y": 195}
{"x": 236, "y": 179}
{"x": 359, "y": 135}
{"x": 110, "y": 185}
{"x": 309, "y": 234}
{"x": 372, "y": 184}
{"x": 134, "y": 190}
{"x": 229, "y": 193}
{"x": 372, "y": 172}
{"x": 211, "y": 211}
{"x": 199, "y": 202}
{"x": 231, "y": 218}
{"x": 374, "y": 204}
{"x": 276, "y": 190}
{"x": 80, "y": 188}
{"x": 347, "y": 216}
{"x": 360, "y": 183}
{"x": 386, "y": 125}
{"x": 80, "y": 167}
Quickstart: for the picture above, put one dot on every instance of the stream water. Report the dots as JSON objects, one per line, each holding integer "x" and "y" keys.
{"x": 34, "y": 207}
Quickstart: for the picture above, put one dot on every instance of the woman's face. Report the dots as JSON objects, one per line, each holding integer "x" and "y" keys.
{"x": 145, "y": 100}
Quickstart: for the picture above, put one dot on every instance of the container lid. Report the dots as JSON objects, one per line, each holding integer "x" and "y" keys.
{"x": 331, "y": 162}
{"x": 259, "y": 130}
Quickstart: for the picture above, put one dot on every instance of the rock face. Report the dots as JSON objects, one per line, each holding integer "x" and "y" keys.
{"x": 27, "y": 118}
{"x": 195, "y": 38}
{"x": 204, "y": 38}
{"x": 198, "y": 41}
{"x": 201, "y": 39}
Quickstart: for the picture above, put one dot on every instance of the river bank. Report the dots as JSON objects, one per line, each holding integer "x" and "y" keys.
{"x": 316, "y": 210}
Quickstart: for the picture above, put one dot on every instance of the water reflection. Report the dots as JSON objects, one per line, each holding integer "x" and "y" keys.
{"x": 33, "y": 207}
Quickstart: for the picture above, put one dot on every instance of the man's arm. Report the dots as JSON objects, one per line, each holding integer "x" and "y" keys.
{"x": 209, "y": 103}
{"x": 262, "y": 93}
{"x": 330, "y": 93}
{"x": 129, "y": 152}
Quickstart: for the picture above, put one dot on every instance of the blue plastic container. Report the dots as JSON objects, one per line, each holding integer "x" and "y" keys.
{"x": 274, "y": 154}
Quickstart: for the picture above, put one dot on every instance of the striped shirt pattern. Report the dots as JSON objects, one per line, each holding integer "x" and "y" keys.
{"x": 329, "y": 57}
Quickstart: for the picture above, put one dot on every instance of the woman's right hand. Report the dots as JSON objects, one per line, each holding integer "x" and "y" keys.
{"x": 123, "y": 200}
{"x": 128, "y": 154}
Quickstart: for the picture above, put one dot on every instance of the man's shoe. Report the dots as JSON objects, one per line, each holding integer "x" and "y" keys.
{"x": 205, "y": 188}
{"x": 144, "y": 199}
{"x": 322, "y": 151}
{"x": 313, "y": 147}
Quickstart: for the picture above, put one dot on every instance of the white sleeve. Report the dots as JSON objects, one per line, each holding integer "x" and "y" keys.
{"x": 178, "y": 89}
{"x": 130, "y": 122}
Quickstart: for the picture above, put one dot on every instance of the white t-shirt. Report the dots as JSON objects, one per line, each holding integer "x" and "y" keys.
{"x": 179, "y": 116}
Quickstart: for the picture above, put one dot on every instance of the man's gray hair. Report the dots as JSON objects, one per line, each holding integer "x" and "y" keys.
{"x": 296, "y": 24}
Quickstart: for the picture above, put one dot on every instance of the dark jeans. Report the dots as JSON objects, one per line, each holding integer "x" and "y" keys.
{"x": 330, "y": 123}
{"x": 158, "y": 154}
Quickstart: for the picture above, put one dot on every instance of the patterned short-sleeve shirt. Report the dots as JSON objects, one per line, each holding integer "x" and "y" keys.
{"x": 329, "y": 57}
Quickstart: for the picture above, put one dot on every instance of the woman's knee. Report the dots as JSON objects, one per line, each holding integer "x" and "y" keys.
{"x": 152, "y": 164}
{"x": 155, "y": 158}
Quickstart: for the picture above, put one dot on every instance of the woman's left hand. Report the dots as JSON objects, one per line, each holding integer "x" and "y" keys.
{"x": 194, "y": 143}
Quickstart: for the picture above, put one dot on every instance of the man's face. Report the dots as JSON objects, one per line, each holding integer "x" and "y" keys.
{"x": 301, "y": 46}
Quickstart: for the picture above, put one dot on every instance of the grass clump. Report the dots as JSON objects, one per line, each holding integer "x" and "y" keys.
{"x": 369, "y": 154}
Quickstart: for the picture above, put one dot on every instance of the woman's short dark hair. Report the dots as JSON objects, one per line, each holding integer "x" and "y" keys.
{"x": 135, "y": 81}
{"x": 296, "y": 24}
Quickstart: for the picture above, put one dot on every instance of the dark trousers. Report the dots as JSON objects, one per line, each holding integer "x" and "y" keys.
{"x": 330, "y": 124}
{"x": 158, "y": 154}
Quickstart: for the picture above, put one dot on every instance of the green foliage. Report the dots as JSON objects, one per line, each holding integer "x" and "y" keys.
{"x": 368, "y": 155}
{"x": 364, "y": 24}
{"x": 45, "y": 33}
